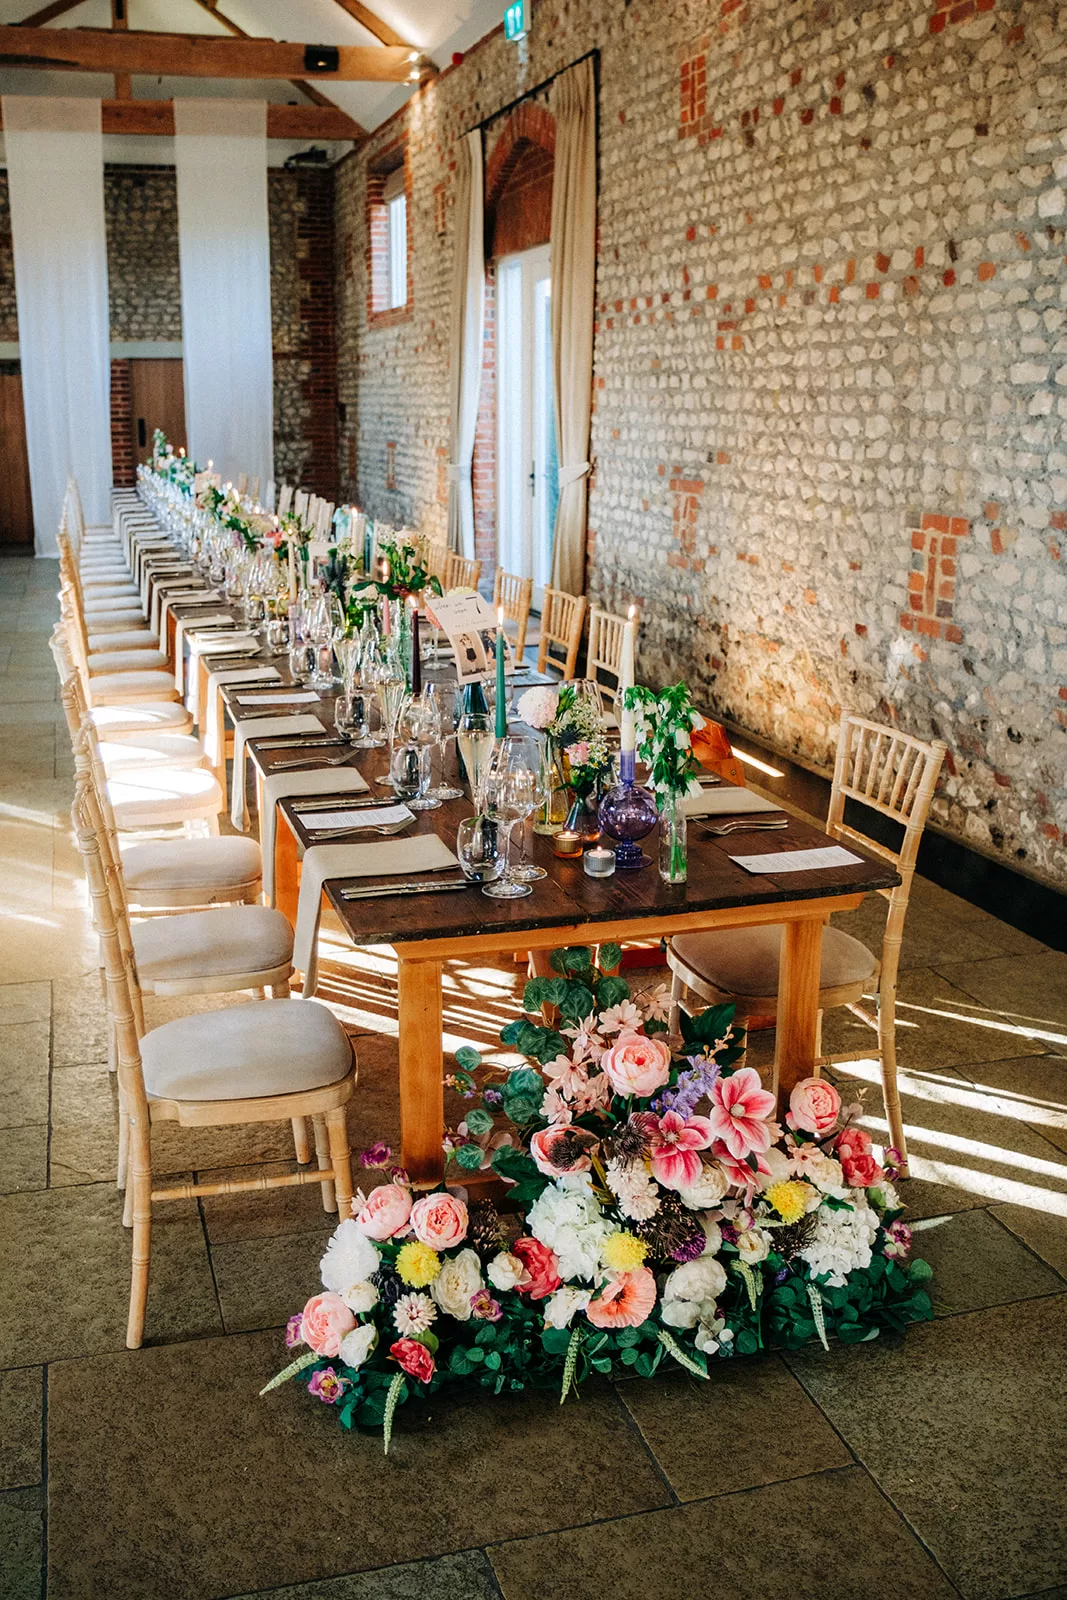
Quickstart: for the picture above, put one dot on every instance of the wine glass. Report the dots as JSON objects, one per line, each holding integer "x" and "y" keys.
{"x": 500, "y": 800}
{"x": 409, "y": 773}
{"x": 479, "y": 849}
{"x": 419, "y": 724}
{"x": 447, "y": 722}
{"x": 528, "y": 794}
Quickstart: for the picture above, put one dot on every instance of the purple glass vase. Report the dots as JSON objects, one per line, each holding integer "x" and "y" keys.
{"x": 628, "y": 813}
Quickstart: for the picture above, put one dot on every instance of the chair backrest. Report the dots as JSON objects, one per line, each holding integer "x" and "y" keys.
{"x": 461, "y": 572}
{"x": 436, "y": 558}
{"x": 300, "y": 504}
{"x": 268, "y": 496}
{"x": 253, "y": 488}
{"x": 285, "y": 500}
{"x": 73, "y": 514}
{"x": 513, "y": 595}
{"x": 895, "y": 775}
{"x": 562, "y": 618}
{"x": 604, "y": 652}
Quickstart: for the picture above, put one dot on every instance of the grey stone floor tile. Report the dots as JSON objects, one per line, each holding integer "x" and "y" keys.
{"x": 827, "y": 1537}
{"x": 20, "y": 1426}
{"x": 1031, "y": 1089}
{"x": 263, "y": 1214}
{"x": 293, "y": 1497}
{"x": 927, "y": 932}
{"x": 20, "y": 1544}
{"x": 467, "y": 1576}
{"x": 23, "y": 1158}
{"x": 80, "y": 1019}
{"x": 84, "y": 1146}
{"x": 1006, "y": 939}
{"x": 65, "y": 1275}
{"x": 745, "y": 1401}
{"x": 262, "y": 1282}
{"x": 962, "y": 1425}
{"x": 1028, "y": 992}
{"x": 1044, "y": 1231}
{"x": 25, "y": 1002}
{"x": 979, "y": 1263}
{"x": 23, "y": 1073}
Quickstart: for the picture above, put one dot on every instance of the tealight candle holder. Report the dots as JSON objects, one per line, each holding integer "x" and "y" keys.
{"x": 567, "y": 843}
{"x": 599, "y": 862}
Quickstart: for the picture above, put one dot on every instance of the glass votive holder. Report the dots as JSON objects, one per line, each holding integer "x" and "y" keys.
{"x": 567, "y": 843}
{"x": 599, "y": 862}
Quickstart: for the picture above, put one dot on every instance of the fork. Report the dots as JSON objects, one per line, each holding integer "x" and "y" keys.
{"x": 319, "y": 835}
{"x": 745, "y": 825}
{"x": 305, "y": 761}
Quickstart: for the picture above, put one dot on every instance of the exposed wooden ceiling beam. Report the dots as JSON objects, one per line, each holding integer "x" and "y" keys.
{"x": 373, "y": 24}
{"x": 190, "y": 55}
{"x": 316, "y": 96}
{"x": 120, "y": 20}
{"x": 46, "y": 13}
{"x": 156, "y": 118}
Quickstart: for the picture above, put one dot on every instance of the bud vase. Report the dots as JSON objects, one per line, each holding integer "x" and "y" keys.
{"x": 550, "y": 816}
{"x": 672, "y": 839}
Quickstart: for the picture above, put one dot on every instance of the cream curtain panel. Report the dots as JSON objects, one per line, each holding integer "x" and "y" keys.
{"x": 220, "y": 152}
{"x": 55, "y": 168}
{"x": 573, "y": 245}
{"x": 465, "y": 339}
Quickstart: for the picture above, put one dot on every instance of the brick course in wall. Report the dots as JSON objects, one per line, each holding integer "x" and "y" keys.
{"x": 832, "y": 292}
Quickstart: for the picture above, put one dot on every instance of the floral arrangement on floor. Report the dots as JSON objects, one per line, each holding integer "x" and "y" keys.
{"x": 573, "y": 723}
{"x": 659, "y": 1217}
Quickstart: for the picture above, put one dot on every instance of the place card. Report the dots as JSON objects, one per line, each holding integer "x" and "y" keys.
{"x": 364, "y": 817}
{"x": 302, "y": 697}
{"x": 800, "y": 860}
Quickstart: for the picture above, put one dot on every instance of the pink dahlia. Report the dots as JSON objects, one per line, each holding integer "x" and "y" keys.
{"x": 673, "y": 1146}
{"x": 740, "y": 1107}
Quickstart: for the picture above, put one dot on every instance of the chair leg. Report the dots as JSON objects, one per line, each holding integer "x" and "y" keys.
{"x": 322, "y": 1154}
{"x": 887, "y": 1048}
{"x": 259, "y": 994}
{"x": 300, "y": 1141}
{"x": 124, "y": 1143}
{"x": 340, "y": 1159}
{"x": 212, "y": 827}
{"x": 818, "y": 1042}
{"x": 141, "y": 1190}
{"x": 280, "y": 991}
{"x": 676, "y": 999}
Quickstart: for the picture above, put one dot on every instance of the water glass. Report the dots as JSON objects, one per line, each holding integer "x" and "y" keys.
{"x": 481, "y": 850}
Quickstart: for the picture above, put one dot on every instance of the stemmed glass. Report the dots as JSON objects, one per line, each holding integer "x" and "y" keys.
{"x": 419, "y": 725}
{"x": 479, "y": 848}
{"x": 447, "y": 723}
{"x": 504, "y": 792}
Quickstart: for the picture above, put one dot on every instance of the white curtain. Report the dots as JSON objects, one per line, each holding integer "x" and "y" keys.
{"x": 55, "y": 171}
{"x": 220, "y": 152}
{"x": 573, "y": 242}
{"x": 465, "y": 339}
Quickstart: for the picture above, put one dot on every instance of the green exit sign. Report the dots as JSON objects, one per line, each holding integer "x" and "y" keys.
{"x": 517, "y": 20}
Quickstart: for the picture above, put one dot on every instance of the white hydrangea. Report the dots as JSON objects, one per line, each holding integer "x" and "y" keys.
{"x": 634, "y": 1189}
{"x": 567, "y": 1218}
{"x": 350, "y": 1261}
{"x": 842, "y": 1242}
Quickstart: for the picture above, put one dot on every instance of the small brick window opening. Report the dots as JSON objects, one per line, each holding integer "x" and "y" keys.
{"x": 390, "y": 280}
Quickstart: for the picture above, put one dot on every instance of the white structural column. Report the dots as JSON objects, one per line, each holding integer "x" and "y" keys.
{"x": 55, "y": 167}
{"x": 220, "y": 149}
{"x": 465, "y": 339}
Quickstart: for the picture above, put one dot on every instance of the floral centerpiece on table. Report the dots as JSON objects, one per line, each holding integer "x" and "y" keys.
{"x": 408, "y": 573}
{"x": 666, "y": 723}
{"x": 660, "y": 1217}
{"x": 569, "y": 715}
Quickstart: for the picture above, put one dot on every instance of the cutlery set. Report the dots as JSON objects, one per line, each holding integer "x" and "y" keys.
{"x": 745, "y": 824}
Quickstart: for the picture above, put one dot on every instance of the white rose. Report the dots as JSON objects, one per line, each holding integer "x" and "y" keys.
{"x": 459, "y": 1278}
{"x": 699, "y": 1280}
{"x": 505, "y": 1271}
{"x": 713, "y": 1235}
{"x": 707, "y": 1191}
{"x": 561, "y": 1306}
{"x": 350, "y": 1259}
{"x": 753, "y": 1246}
{"x": 360, "y": 1297}
{"x": 357, "y": 1345}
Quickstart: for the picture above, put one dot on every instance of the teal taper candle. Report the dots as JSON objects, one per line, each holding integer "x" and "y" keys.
{"x": 501, "y": 691}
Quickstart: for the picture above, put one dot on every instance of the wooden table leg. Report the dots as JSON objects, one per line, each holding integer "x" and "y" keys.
{"x": 798, "y": 1005}
{"x": 422, "y": 1104}
{"x": 286, "y": 869}
{"x": 171, "y": 635}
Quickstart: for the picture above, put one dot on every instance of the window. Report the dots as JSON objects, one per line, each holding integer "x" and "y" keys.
{"x": 528, "y": 482}
{"x": 396, "y": 210}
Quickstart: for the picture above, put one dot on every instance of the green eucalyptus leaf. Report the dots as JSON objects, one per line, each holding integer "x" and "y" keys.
{"x": 469, "y": 1157}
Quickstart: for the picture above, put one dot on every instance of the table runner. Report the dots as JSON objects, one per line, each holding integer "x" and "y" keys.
{"x": 424, "y": 852}
{"x": 283, "y": 786}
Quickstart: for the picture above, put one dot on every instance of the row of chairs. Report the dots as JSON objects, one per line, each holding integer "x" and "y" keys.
{"x": 278, "y": 1059}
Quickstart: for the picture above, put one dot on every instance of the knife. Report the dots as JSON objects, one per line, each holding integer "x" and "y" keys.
{"x": 334, "y": 805}
{"x": 380, "y": 893}
{"x": 310, "y": 741}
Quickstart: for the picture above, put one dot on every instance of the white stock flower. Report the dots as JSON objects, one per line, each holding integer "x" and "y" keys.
{"x": 634, "y": 1189}
{"x": 567, "y": 1218}
{"x": 349, "y": 1261}
{"x": 460, "y": 1277}
{"x": 842, "y": 1241}
{"x": 561, "y": 1306}
{"x": 708, "y": 1190}
{"x": 357, "y": 1345}
{"x": 505, "y": 1271}
{"x": 413, "y": 1314}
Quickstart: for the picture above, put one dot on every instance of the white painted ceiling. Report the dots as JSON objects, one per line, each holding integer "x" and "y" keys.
{"x": 436, "y": 27}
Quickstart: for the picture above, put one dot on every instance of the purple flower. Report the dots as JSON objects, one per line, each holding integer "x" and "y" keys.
{"x": 689, "y": 1249}
{"x": 493, "y": 1097}
{"x": 897, "y": 1239}
{"x": 781, "y": 1275}
{"x": 327, "y": 1385}
{"x": 485, "y": 1307}
{"x": 376, "y": 1155}
{"x": 293, "y": 1336}
{"x": 693, "y": 1085}
{"x": 729, "y": 1232}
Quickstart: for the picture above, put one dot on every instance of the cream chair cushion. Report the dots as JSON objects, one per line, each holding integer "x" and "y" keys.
{"x": 212, "y": 944}
{"x": 191, "y": 865}
{"x": 122, "y": 687}
{"x": 744, "y": 961}
{"x": 121, "y": 617}
{"x": 130, "y": 722}
{"x": 151, "y": 750}
{"x": 246, "y": 1052}
{"x": 123, "y": 639}
{"x": 110, "y": 661}
{"x": 159, "y": 795}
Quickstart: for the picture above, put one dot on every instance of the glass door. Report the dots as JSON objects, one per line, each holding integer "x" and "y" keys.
{"x": 528, "y": 479}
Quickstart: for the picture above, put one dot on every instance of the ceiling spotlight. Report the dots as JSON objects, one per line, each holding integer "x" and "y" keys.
{"x": 413, "y": 75}
{"x": 413, "y": 55}
{"x": 321, "y": 58}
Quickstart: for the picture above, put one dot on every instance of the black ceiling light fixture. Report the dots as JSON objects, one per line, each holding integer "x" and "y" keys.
{"x": 321, "y": 58}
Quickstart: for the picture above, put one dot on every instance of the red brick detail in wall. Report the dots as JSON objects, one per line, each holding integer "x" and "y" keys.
{"x": 932, "y": 579}
{"x": 380, "y": 314}
{"x": 318, "y": 348}
{"x": 946, "y": 11}
{"x": 528, "y": 124}
{"x": 123, "y": 467}
{"x": 692, "y": 89}
{"x": 686, "y": 493}
{"x": 483, "y": 475}
{"x": 521, "y": 216}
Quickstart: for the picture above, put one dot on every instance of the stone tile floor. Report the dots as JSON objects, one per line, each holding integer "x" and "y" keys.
{"x": 921, "y": 1469}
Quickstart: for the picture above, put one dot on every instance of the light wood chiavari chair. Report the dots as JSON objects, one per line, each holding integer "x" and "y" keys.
{"x": 887, "y": 772}
{"x": 513, "y": 595}
{"x": 604, "y": 651}
{"x": 562, "y": 619}
{"x": 285, "y": 500}
{"x": 461, "y": 572}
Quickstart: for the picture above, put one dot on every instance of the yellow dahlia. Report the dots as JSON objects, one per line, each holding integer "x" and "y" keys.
{"x": 790, "y": 1200}
{"x": 417, "y": 1264}
{"x": 622, "y": 1252}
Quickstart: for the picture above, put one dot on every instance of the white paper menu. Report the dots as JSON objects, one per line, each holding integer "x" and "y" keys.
{"x": 800, "y": 860}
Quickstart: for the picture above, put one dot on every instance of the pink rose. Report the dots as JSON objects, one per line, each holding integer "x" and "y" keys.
{"x": 541, "y": 1265}
{"x": 562, "y": 1148}
{"x": 860, "y": 1168}
{"x": 414, "y": 1358}
{"x": 578, "y": 753}
{"x": 814, "y": 1105}
{"x": 439, "y": 1220}
{"x": 324, "y": 1324}
{"x": 636, "y": 1064}
{"x": 386, "y": 1211}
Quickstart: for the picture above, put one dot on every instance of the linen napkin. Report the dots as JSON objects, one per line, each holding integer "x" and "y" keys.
{"x": 319, "y": 780}
{"x": 259, "y": 728}
{"x": 216, "y": 619}
{"x": 214, "y": 741}
{"x": 383, "y": 859}
{"x": 726, "y": 802}
{"x": 176, "y": 592}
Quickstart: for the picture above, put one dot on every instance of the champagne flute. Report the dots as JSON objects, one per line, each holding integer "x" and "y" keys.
{"x": 447, "y": 722}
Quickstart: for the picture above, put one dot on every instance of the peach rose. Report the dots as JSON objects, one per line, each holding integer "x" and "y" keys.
{"x": 325, "y": 1322}
{"x": 439, "y": 1220}
{"x": 386, "y": 1211}
{"x": 636, "y": 1064}
{"x": 854, "y": 1152}
{"x": 814, "y": 1105}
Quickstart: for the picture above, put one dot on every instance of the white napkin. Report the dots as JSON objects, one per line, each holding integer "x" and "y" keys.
{"x": 170, "y": 593}
{"x": 385, "y": 858}
{"x": 179, "y": 642}
{"x": 726, "y": 802}
{"x": 299, "y": 697}
{"x": 319, "y": 780}
{"x": 259, "y": 728}
{"x": 214, "y": 741}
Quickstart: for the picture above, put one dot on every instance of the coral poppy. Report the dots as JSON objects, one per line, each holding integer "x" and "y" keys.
{"x": 625, "y": 1301}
